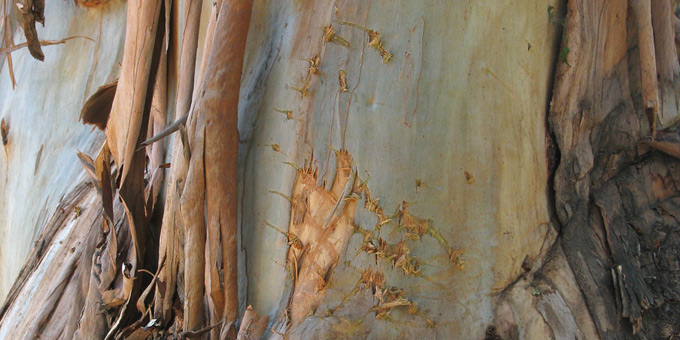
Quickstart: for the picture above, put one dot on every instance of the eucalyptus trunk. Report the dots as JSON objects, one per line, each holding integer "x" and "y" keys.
{"x": 238, "y": 169}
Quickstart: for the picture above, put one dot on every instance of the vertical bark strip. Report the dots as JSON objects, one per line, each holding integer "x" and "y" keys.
{"x": 209, "y": 34}
{"x": 159, "y": 113}
{"x": 192, "y": 208}
{"x": 131, "y": 190}
{"x": 664, "y": 37}
{"x": 125, "y": 120}
{"x": 9, "y": 42}
{"x": 650, "y": 95}
{"x": 173, "y": 228}
{"x": 192, "y": 19}
{"x": 219, "y": 103}
{"x": 667, "y": 64}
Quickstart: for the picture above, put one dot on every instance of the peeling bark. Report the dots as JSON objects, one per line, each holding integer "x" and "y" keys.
{"x": 614, "y": 196}
{"x": 32, "y": 11}
{"x": 323, "y": 230}
{"x": 172, "y": 233}
{"x": 616, "y": 185}
{"x": 125, "y": 120}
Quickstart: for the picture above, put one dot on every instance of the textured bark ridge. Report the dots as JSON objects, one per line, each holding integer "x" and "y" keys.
{"x": 616, "y": 187}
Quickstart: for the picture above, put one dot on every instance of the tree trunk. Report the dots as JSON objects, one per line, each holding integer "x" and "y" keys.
{"x": 339, "y": 169}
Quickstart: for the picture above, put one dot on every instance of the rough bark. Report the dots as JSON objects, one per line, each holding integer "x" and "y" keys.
{"x": 616, "y": 196}
{"x": 455, "y": 237}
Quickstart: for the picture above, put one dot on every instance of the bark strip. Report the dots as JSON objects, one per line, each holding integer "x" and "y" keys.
{"x": 650, "y": 87}
{"x": 55, "y": 295}
{"x": 172, "y": 233}
{"x": 219, "y": 103}
{"x": 252, "y": 325}
{"x": 192, "y": 207}
{"x": 125, "y": 122}
{"x": 32, "y": 12}
{"x": 664, "y": 37}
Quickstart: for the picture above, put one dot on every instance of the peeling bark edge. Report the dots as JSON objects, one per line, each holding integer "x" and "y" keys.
{"x": 32, "y": 12}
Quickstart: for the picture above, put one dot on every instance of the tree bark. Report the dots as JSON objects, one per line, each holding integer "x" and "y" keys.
{"x": 345, "y": 169}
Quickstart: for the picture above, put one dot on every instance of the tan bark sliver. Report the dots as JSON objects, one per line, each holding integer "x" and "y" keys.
{"x": 92, "y": 3}
{"x": 252, "y": 325}
{"x": 192, "y": 208}
{"x": 127, "y": 109}
{"x": 650, "y": 87}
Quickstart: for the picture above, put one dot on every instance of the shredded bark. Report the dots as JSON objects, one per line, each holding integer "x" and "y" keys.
{"x": 324, "y": 229}
{"x": 33, "y": 11}
{"x": 172, "y": 233}
{"x": 98, "y": 107}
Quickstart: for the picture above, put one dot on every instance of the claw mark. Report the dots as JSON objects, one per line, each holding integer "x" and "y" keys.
{"x": 469, "y": 178}
{"x": 304, "y": 89}
{"x": 343, "y": 81}
{"x": 293, "y": 165}
{"x": 412, "y": 64}
{"x": 313, "y": 64}
{"x": 281, "y": 194}
{"x": 374, "y": 40}
{"x": 329, "y": 35}
{"x": 491, "y": 73}
{"x": 340, "y": 204}
{"x": 275, "y": 147}
{"x": 4, "y": 130}
{"x": 288, "y": 113}
{"x": 293, "y": 240}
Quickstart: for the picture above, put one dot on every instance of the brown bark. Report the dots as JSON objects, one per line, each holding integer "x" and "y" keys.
{"x": 664, "y": 40}
{"x": 172, "y": 232}
{"x": 252, "y": 325}
{"x": 8, "y": 40}
{"x": 219, "y": 102}
{"x": 614, "y": 193}
{"x": 211, "y": 175}
{"x": 98, "y": 107}
{"x": 192, "y": 206}
{"x": 125, "y": 120}
{"x": 650, "y": 87}
{"x": 32, "y": 11}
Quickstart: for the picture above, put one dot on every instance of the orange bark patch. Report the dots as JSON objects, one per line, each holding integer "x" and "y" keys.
{"x": 91, "y": 3}
{"x": 323, "y": 222}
